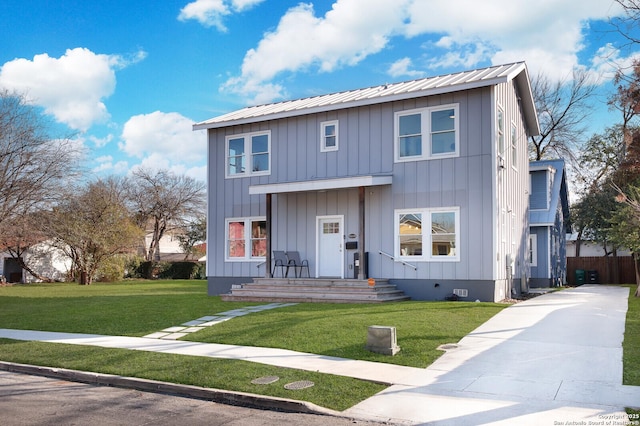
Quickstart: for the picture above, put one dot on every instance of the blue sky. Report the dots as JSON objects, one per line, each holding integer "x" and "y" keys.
{"x": 129, "y": 78}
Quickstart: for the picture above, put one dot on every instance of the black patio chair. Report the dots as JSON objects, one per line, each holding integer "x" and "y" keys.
{"x": 294, "y": 260}
{"x": 280, "y": 261}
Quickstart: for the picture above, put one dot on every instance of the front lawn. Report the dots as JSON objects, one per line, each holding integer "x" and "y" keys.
{"x": 631, "y": 344}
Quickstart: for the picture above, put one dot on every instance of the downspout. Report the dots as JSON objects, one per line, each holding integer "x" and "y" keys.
{"x": 267, "y": 270}
{"x": 361, "y": 210}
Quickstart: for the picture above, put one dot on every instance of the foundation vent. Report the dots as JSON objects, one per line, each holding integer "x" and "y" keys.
{"x": 461, "y": 292}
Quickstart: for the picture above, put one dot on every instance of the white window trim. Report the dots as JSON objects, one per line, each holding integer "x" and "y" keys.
{"x": 427, "y": 255}
{"x": 426, "y": 133}
{"x": 248, "y": 153}
{"x": 533, "y": 249}
{"x": 247, "y": 239}
{"x": 323, "y": 146}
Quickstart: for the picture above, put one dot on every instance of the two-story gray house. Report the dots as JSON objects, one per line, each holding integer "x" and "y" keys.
{"x": 550, "y": 223}
{"x": 426, "y": 181}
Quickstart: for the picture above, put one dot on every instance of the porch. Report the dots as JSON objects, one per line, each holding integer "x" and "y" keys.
{"x": 325, "y": 290}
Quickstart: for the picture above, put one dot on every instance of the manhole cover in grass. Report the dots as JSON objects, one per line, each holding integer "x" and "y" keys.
{"x": 302, "y": 384}
{"x": 447, "y": 347}
{"x": 265, "y": 380}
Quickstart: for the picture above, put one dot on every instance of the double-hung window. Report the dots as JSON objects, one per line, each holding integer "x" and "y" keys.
{"x": 329, "y": 136}
{"x": 428, "y": 234}
{"x": 427, "y": 133}
{"x": 248, "y": 154}
{"x": 246, "y": 239}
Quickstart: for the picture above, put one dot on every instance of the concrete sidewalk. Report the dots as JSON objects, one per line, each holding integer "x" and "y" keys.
{"x": 554, "y": 359}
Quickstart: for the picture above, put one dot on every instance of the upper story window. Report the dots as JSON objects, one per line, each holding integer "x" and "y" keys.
{"x": 248, "y": 154}
{"x": 427, "y": 133}
{"x": 329, "y": 136}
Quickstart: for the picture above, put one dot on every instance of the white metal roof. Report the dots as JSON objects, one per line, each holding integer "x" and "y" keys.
{"x": 387, "y": 93}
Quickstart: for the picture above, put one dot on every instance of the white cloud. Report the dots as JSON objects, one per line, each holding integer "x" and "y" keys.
{"x": 158, "y": 161}
{"x": 344, "y": 36}
{"x": 100, "y": 142}
{"x": 544, "y": 33}
{"x": 548, "y": 35}
{"x": 402, "y": 67}
{"x": 106, "y": 165}
{"x": 168, "y": 136}
{"x": 70, "y": 88}
{"x": 210, "y": 13}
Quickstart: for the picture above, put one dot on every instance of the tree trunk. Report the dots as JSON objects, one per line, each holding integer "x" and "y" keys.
{"x": 33, "y": 273}
{"x": 578, "y": 243}
{"x": 85, "y": 277}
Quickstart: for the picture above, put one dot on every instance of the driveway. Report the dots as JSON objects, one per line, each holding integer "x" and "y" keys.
{"x": 553, "y": 359}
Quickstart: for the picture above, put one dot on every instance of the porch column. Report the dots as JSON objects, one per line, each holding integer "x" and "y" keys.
{"x": 361, "y": 238}
{"x": 267, "y": 271}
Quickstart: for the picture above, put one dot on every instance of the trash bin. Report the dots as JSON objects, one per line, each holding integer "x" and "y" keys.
{"x": 579, "y": 276}
{"x": 592, "y": 277}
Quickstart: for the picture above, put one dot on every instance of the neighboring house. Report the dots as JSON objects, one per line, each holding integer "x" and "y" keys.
{"x": 42, "y": 258}
{"x": 169, "y": 249}
{"x": 589, "y": 248}
{"x": 550, "y": 222}
{"x": 424, "y": 180}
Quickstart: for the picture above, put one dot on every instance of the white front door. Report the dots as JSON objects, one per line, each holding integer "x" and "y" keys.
{"x": 330, "y": 261}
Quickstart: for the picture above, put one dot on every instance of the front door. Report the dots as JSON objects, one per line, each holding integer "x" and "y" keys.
{"x": 330, "y": 262}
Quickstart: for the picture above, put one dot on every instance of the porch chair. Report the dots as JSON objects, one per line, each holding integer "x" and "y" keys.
{"x": 280, "y": 261}
{"x": 294, "y": 260}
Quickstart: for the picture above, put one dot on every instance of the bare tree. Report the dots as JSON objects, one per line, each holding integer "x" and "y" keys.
{"x": 563, "y": 109}
{"x": 18, "y": 236}
{"x": 629, "y": 24}
{"x": 161, "y": 201}
{"x": 92, "y": 226}
{"x": 34, "y": 167}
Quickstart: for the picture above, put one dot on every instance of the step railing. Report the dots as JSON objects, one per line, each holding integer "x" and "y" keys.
{"x": 395, "y": 259}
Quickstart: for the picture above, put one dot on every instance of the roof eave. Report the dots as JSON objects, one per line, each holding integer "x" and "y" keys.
{"x": 355, "y": 103}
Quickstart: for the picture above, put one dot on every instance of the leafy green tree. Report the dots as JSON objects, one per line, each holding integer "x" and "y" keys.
{"x": 195, "y": 233}
{"x": 626, "y": 226}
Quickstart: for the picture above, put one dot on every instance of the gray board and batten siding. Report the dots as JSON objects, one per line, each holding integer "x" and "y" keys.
{"x": 472, "y": 182}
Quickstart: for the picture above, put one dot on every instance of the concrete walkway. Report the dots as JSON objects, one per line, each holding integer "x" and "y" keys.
{"x": 554, "y": 359}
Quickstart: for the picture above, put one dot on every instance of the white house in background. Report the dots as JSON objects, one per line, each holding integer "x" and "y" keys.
{"x": 426, "y": 181}
{"x": 43, "y": 258}
{"x": 589, "y": 248}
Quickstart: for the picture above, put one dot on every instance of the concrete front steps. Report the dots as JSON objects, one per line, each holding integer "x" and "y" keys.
{"x": 315, "y": 290}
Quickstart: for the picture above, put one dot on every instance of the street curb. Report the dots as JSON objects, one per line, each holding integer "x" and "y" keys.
{"x": 216, "y": 395}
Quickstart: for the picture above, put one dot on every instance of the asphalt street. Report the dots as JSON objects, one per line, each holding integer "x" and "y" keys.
{"x": 35, "y": 400}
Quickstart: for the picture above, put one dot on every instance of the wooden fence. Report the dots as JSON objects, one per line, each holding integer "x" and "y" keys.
{"x": 605, "y": 267}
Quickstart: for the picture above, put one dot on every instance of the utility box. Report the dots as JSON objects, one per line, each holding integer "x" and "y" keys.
{"x": 382, "y": 340}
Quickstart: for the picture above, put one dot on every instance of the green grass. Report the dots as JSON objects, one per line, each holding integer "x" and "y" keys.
{"x": 334, "y": 392}
{"x": 631, "y": 344}
{"x": 129, "y": 308}
{"x": 137, "y": 308}
{"x": 341, "y": 329}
